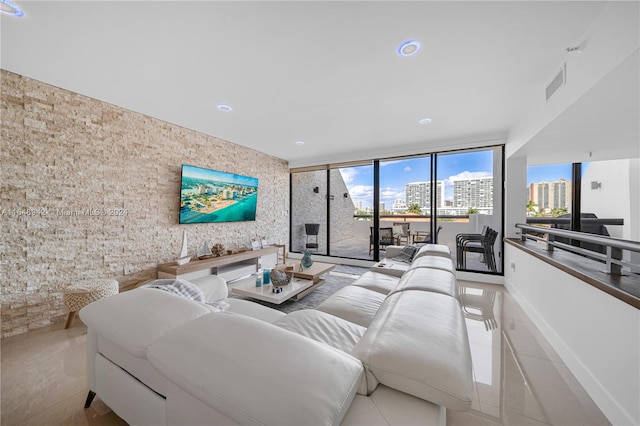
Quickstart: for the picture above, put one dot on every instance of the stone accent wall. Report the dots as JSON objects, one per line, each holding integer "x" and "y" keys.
{"x": 311, "y": 207}
{"x": 88, "y": 188}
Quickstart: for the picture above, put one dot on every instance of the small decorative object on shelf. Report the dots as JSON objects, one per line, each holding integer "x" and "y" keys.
{"x": 255, "y": 244}
{"x": 264, "y": 243}
{"x": 184, "y": 257}
{"x": 306, "y": 260}
{"x": 217, "y": 250}
{"x": 266, "y": 276}
{"x": 258, "y": 280}
{"x": 204, "y": 252}
{"x": 279, "y": 278}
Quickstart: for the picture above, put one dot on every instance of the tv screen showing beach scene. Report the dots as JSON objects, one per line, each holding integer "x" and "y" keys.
{"x": 208, "y": 196}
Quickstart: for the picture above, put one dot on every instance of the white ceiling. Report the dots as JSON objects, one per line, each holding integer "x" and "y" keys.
{"x": 326, "y": 73}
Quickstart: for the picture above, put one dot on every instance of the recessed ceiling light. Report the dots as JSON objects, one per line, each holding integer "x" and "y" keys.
{"x": 424, "y": 121}
{"x": 8, "y": 8}
{"x": 299, "y": 142}
{"x": 225, "y": 108}
{"x": 409, "y": 48}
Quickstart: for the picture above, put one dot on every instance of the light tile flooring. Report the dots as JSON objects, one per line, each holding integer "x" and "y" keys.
{"x": 519, "y": 379}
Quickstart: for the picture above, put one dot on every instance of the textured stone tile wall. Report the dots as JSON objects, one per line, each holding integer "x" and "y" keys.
{"x": 88, "y": 187}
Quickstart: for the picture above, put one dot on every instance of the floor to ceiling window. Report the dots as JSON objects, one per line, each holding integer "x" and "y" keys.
{"x": 364, "y": 207}
{"x": 593, "y": 197}
{"x": 309, "y": 211}
{"x": 405, "y": 200}
{"x": 351, "y": 210}
{"x": 469, "y": 211}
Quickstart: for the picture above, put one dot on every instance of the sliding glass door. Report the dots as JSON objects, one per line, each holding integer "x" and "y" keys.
{"x": 309, "y": 211}
{"x": 357, "y": 211}
{"x": 405, "y": 200}
{"x": 469, "y": 210}
{"x": 351, "y": 210}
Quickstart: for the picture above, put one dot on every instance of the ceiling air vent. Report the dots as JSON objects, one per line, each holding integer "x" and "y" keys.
{"x": 558, "y": 81}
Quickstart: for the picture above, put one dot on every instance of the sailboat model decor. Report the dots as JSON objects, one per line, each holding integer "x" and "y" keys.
{"x": 184, "y": 257}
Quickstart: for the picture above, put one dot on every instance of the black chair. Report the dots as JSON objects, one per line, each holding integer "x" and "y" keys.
{"x": 461, "y": 239}
{"x": 484, "y": 246}
{"x": 385, "y": 238}
{"x": 312, "y": 230}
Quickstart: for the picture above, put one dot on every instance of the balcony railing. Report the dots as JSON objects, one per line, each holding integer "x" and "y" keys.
{"x": 614, "y": 248}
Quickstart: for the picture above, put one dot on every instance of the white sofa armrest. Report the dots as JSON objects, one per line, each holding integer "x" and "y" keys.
{"x": 392, "y": 251}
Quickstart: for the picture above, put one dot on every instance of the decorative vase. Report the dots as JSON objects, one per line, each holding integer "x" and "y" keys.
{"x": 306, "y": 260}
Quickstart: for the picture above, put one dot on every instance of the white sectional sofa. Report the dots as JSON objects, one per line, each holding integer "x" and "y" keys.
{"x": 384, "y": 350}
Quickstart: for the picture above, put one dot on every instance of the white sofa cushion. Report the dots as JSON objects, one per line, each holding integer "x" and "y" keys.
{"x": 381, "y": 282}
{"x": 428, "y": 279}
{"x": 143, "y": 315}
{"x": 325, "y": 328}
{"x": 429, "y": 358}
{"x": 254, "y": 372}
{"x": 354, "y": 304}
{"x": 386, "y": 406}
{"x": 253, "y": 309}
{"x": 433, "y": 250}
{"x": 434, "y": 262}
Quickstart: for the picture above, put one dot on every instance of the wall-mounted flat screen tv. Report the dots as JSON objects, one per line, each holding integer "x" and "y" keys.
{"x": 208, "y": 196}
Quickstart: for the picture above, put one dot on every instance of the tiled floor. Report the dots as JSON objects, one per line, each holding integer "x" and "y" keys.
{"x": 519, "y": 379}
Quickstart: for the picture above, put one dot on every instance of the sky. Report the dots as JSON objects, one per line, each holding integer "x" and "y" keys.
{"x": 396, "y": 173}
{"x": 549, "y": 173}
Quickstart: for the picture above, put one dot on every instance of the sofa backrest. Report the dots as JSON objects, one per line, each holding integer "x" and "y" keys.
{"x": 417, "y": 343}
{"x": 427, "y": 279}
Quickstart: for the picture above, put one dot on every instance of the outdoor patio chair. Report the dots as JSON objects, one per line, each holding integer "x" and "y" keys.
{"x": 385, "y": 238}
{"x": 462, "y": 238}
{"x": 424, "y": 237}
{"x": 312, "y": 230}
{"x": 484, "y": 246}
{"x": 401, "y": 232}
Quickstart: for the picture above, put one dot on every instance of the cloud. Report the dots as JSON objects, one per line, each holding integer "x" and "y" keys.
{"x": 468, "y": 175}
{"x": 389, "y": 195}
{"x": 407, "y": 169}
{"x": 348, "y": 174}
{"x": 362, "y": 193}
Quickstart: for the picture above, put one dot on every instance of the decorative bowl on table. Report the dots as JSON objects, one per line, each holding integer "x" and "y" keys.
{"x": 279, "y": 278}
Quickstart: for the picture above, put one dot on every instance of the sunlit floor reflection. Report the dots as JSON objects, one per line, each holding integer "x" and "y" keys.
{"x": 519, "y": 378}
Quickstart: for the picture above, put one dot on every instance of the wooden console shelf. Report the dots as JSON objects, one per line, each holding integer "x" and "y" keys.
{"x": 215, "y": 262}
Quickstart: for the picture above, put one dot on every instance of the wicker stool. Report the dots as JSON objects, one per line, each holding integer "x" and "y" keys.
{"x": 81, "y": 293}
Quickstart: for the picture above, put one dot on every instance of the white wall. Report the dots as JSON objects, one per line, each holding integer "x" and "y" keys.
{"x": 596, "y": 335}
{"x": 614, "y": 198}
{"x": 612, "y": 38}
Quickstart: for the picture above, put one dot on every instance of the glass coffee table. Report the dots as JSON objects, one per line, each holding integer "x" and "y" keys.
{"x": 247, "y": 287}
